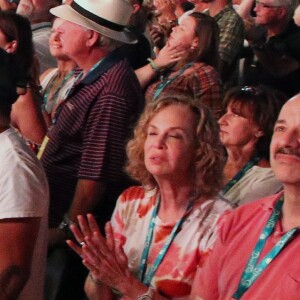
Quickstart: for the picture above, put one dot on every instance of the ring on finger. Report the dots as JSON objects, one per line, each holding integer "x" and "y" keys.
{"x": 82, "y": 243}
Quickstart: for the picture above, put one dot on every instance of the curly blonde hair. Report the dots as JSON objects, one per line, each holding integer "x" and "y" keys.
{"x": 209, "y": 158}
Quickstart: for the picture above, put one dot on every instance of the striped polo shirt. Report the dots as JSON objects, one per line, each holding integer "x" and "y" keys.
{"x": 88, "y": 138}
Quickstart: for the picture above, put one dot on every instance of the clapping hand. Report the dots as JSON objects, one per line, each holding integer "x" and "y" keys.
{"x": 104, "y": 258}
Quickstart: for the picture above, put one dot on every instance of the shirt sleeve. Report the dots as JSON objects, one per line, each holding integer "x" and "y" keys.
{"x": 23, "y": 194}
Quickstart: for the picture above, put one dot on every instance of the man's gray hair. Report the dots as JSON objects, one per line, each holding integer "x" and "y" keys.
{"x": 108, "y": 43}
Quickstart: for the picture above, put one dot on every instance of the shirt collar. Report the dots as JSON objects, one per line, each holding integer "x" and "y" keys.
{"x": 108, "y": 62}
{"x": 270, "y": 204}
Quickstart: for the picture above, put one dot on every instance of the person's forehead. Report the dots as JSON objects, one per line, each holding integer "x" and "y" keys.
{"x": 67, "y": 25}
{"x": 273, "y": 2}
{"x": 291, "y": 110}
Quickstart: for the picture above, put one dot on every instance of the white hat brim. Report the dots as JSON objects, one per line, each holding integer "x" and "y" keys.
{"x": 67, "y": 13}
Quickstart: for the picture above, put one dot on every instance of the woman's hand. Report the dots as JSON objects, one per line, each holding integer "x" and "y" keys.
{"x": 168, "y": 56}
{"x": 104, "y": 258}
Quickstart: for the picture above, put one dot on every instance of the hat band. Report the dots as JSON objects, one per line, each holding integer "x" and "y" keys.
{"x": 95, "y": 18}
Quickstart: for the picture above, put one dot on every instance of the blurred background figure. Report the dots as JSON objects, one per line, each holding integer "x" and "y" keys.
{"x": 183, "y": 9}
{"x": 296, "y": 16}
{"x": 37, "y": 11}
{"x": 191, "y": 55}
{"x": 57, "y": 82}
{"x": 16, "y": 40}
{"x": 9, "y": 5}
{"x": 246, "y": 129}
{"x": 276, "y": 49}
{"x": 179, "y": 164}
{"x": 231, "y": 39}
{"x": 137, "y": 53}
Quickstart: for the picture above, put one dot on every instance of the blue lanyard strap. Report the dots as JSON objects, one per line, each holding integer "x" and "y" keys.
{"x": 240, "y": 174}
{"x": 253, "y": 270}
{"x": 165, "y": 83}
{"x": 78, "y": 78}
{"x": 146, "y": 278}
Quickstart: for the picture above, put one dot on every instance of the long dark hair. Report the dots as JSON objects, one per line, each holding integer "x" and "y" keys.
{"x": 15, "y": 27}
{"x": 207, "y": 30}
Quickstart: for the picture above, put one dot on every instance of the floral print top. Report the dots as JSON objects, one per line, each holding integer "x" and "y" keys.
{"x": 193, "y": 242}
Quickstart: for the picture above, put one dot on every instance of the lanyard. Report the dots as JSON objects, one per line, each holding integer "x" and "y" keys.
{"x": 60, "y": 107}
{"x": 54, "y": 97}
{"x": 240, "y": 174}
{"x": 165, "y": 83}
{"x": 253, "y": 270}
{"x": 146, "y": 278}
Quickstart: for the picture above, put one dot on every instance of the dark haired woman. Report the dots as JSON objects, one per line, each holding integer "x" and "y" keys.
{"x": 16, "y": 39}
{"x": 191, "y": 53}
{"x": 246, "y": 130}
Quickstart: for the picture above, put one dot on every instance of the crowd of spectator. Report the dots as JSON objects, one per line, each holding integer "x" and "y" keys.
{"x": 149, "y": 149}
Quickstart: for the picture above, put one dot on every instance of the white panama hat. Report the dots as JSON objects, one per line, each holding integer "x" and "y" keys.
{"x": 108, "y": 17}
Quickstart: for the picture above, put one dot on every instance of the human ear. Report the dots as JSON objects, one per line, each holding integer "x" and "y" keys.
{"x": 195, "y": 43}
{"x": 11, "y": 47}
{"x": 93, "y": 38}
{"x": 259, "y": 133}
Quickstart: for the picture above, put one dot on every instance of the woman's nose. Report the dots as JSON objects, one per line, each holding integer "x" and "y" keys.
{"x": 160, "y": 141}
{"x": 222, "y": 119}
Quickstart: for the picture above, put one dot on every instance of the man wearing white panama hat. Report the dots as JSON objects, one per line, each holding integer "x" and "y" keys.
{"x": 84, "y": 153}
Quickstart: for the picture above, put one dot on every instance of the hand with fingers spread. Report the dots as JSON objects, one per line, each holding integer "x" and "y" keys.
{"x": 104, "y": 258}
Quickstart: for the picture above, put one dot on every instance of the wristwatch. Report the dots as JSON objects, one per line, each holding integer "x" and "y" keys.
{"x": 148, "y": 295}
{"x": 64, "y": 226}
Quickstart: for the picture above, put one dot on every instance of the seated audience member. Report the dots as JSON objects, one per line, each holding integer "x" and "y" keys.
{"x": 84, "y": 152}
{"x": 37, "y": 12}
{"x": 23, "y": 203}
{"x": 193, "y": 71}
{"x": 165, "y": 228}
{"x": 277, "y": 51}
{"x": 231, "y": 39}
{"x": 57, "y": 82}
{"x": 256, "y": 255}
{"x": 246, "y": 130}
{"x": 26, "y": 116}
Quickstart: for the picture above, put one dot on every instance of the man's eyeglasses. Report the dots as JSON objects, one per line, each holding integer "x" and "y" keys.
{"x": 13, "y": 1}
{"x": 266, "y": 5}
